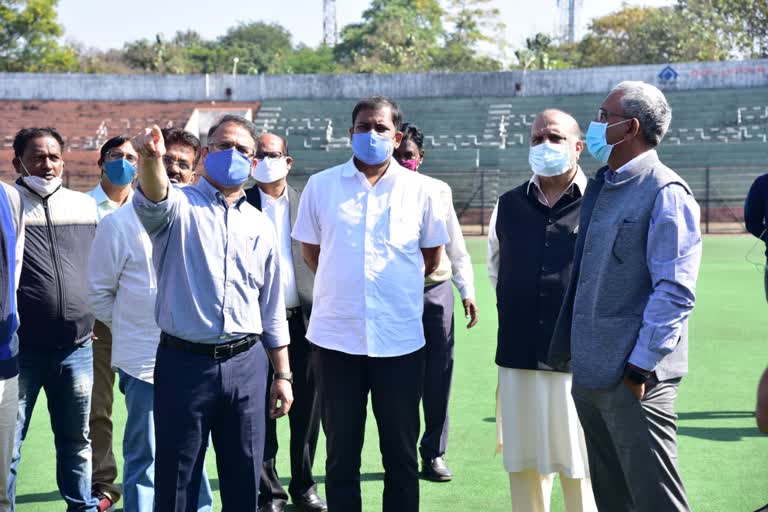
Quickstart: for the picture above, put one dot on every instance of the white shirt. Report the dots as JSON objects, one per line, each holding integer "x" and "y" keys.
{"x": 122, "y": 287}
{"x": 369, "y": 286}
{"x": 579, "y": 181}
{"x": 279, "y": 212}
{"x": 629, "y": 165}
{"x": 455, "y": 261}
{"x": 104, "y": 205}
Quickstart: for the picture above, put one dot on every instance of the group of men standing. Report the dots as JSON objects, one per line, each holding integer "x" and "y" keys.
{"x": 220, "y": 319}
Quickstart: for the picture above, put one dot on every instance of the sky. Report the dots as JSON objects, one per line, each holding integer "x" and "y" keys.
{"x": 90, "y": 22}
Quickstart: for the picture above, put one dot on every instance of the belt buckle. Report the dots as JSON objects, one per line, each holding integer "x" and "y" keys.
{"x": 222, "y": 351}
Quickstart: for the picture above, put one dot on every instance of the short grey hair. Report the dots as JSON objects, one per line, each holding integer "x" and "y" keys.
{"x": 648, "y": 105}
{"x": 240, "y": 120}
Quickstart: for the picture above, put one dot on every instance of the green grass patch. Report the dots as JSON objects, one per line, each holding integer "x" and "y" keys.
{"x": 724, "y": 459}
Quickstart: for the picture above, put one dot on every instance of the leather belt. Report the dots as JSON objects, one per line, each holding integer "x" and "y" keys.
{"x": 221, "y": 351}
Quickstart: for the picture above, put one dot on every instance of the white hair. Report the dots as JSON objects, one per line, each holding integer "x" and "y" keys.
{"x": 647, "y": 104}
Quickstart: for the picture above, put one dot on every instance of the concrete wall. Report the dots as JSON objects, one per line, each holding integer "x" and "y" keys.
{"x": 84, "y": 87}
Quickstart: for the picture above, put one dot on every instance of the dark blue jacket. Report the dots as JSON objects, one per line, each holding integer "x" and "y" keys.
{"x": 756, "y": 209}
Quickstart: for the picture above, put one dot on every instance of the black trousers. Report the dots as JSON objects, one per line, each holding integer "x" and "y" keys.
{"x": 438, "y": 373}
{"x": 303, "y": 419}
{"x": 395, "y": 385}
{"x": 197, "y": 396}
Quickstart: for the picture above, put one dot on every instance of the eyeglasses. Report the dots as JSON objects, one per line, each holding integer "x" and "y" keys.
{"x": 261, "y": 155}
{"x": 603, "y": 115}
{"x": 183, "y": 165}
{"x": 119, "y": 155}
{"x": 225, "y": 146}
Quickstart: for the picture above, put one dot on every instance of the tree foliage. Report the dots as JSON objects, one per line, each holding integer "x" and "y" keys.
{"x": 29, "y": 38}
{"x": 400, "y": 36}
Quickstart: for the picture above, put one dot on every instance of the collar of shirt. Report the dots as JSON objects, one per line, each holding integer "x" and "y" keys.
{"x": 267, "y": 199}
{"x": 350, "y": 169}
{"x": 215, "y": 195}
{"x": 629, "y": 165}
{"x": 579, "y": 181}
{"x": 101, "y": 197}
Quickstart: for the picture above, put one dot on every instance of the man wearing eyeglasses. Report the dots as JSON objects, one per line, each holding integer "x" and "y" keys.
{"x": 117, "y": 161}
{"x": 220, "y": 310}
{"x": 624, "y": 320}
{"x": 280, "y": 202}
{"x": 121, "y": 293}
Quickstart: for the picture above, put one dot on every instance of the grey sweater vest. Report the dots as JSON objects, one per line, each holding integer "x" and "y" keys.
{"x": 603, "y": 309}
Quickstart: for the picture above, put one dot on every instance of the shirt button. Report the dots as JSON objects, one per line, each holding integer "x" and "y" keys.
{"x": 545, "y": 268}
{"x": 541, "y": 322}
{"x": 550, "y": 221}
{"x": 547, "y": 245}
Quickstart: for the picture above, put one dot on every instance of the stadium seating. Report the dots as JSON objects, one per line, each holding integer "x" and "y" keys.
{"x": 480, "y": 145}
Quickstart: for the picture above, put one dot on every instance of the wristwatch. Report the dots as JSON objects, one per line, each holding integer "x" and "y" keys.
{"x": 283, "y": 376}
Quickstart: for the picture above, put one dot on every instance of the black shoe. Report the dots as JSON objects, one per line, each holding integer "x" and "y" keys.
{"x": 310, "y": 502}
{"x": 273, "y": 506}
{"x": 435, "y": 470}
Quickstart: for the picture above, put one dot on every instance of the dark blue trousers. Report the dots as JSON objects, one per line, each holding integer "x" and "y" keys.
{"x": 196, "y": 397}
{"x": 438, "y": 372}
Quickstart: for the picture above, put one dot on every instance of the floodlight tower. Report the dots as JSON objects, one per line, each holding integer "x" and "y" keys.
{"x": 570, "y": 14}
{"x": 329, "y": 22}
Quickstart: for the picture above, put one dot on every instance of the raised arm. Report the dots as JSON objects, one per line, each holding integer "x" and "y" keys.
{"x": 152, "y": 176}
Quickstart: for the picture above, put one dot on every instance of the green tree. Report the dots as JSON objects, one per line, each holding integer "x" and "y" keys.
{"x": 305, "y": 60}
{"x": 394, "y": 36}
{"x": 741, "y": 25}
{"x": 29, "y": 38}
{"x": 646, "y": 35}
{"x": 474, "y": 24}
{"x": 261, "y": 48}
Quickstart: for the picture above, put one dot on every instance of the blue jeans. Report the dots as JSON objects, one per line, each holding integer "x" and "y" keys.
{"x": 66, "y": 375}
{"x": 139, "y": 450}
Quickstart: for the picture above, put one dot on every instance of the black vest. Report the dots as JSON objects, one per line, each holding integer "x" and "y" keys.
{"x": 536, "y": 246}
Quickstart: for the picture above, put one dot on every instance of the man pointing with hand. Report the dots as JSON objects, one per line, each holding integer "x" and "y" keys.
{"x": 220, "y": 309}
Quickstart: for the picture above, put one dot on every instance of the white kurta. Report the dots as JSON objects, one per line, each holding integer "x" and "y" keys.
{"x": 537, "y": 425}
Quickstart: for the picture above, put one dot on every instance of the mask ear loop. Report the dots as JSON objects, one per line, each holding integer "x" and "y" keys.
{"x": 616, "y": 124}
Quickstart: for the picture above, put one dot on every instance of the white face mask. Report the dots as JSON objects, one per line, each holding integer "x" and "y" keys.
{"x": 269, "y": 170}
{"x": 42, "y": 186}
{"x": 549, "y": 160}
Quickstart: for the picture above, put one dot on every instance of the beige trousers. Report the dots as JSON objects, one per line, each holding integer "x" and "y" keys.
{"x": 104, "y": 464}
{"x": 532, "y": 491}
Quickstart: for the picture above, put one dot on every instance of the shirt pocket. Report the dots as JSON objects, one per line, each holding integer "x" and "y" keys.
{"x": 403, "y": 231}
{"x": 629, "y": 244}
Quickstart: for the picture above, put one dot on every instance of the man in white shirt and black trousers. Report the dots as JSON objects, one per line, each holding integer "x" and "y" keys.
{"x": 371, "y": 231}
{"x": 280, "y": 202}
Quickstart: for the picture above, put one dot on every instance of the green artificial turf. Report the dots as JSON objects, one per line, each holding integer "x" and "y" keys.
{"x": 724, "y": 459}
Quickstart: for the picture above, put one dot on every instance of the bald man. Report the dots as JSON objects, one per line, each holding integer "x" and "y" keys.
{"x": 280, "y": 202}
{"x": 530, "y": 254}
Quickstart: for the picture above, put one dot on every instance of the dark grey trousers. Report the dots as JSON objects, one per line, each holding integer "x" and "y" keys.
{"x": 632, "y": 447}
{"x": 438, "y": 371}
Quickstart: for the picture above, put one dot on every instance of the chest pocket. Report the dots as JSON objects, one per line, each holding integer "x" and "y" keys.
{"x": 630, "y": 242}
{"x": 403, "y": 231}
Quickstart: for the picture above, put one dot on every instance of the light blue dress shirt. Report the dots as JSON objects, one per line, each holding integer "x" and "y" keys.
{"x": 673, "y": 253}
{"x": 217, "y": 267}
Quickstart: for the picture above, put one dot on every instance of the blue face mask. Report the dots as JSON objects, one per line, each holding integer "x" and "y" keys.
{"x": 372, "y": 148}
{"x": 549, "y": 159}
{"x": 597, "y": 144}
{"x": 120, "y": 172}
{"x": 228, "y": 168}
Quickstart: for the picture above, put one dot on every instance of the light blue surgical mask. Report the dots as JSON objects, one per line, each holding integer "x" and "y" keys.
{"x": 597, "y": 144}
{"x": 120, "y": 172}
{"x": 228, "y": 168}
{"x": 372, "y": 148}
{"x": 547, "y": 159}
